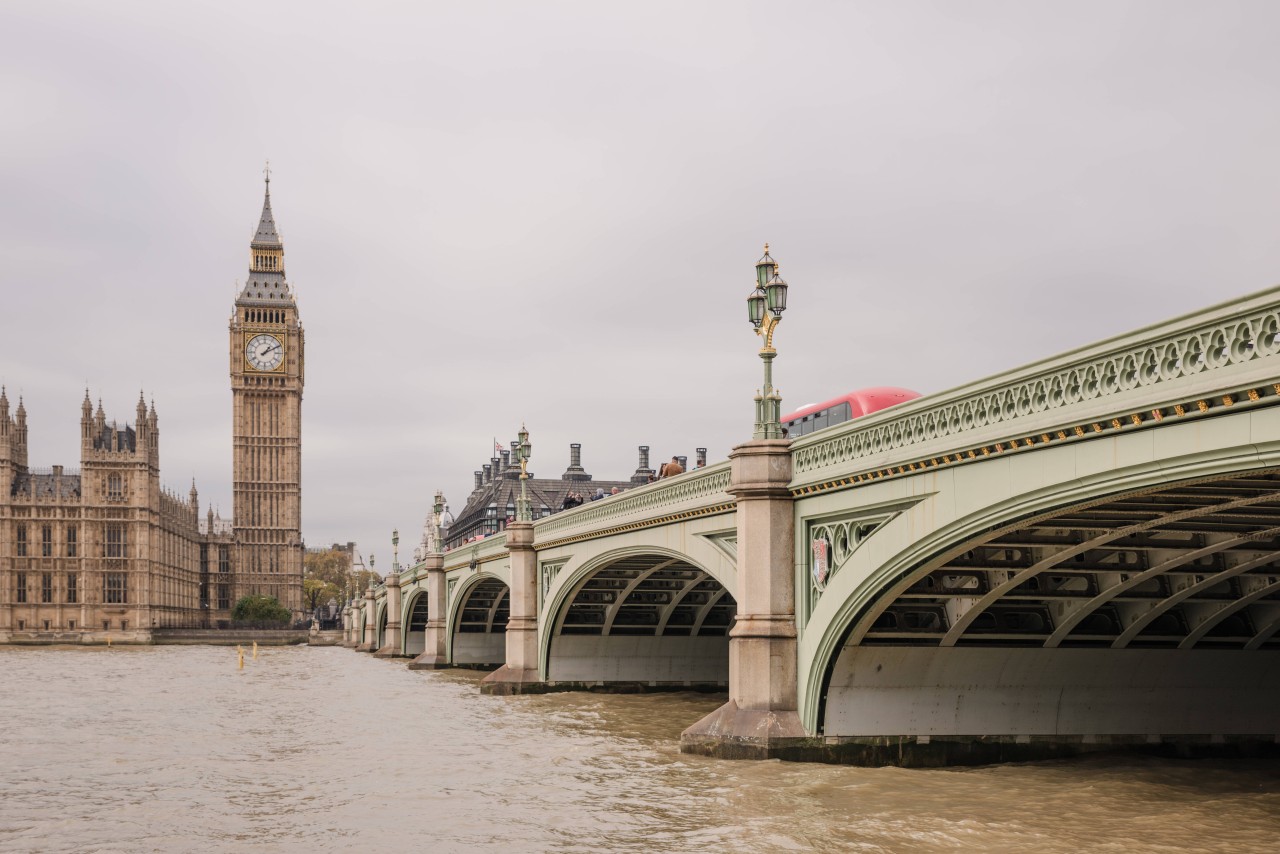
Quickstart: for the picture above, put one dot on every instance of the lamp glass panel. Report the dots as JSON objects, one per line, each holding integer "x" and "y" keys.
{"x": 777, "y": 294}
{"x": 755, "y": 308}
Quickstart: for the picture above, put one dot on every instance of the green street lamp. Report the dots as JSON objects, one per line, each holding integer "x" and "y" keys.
{"x": 395, "y": 549}
{"x": 765, "y": 306}
{"x": 524, "y": 510}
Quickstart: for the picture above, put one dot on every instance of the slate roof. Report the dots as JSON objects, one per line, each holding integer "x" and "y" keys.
{"x": 126, "y": 440}
{"x": 27, "y": 485}
{"x": 503, "y": 491}
{"x": 265, "y": 289}
{"x": 266, "y": 236}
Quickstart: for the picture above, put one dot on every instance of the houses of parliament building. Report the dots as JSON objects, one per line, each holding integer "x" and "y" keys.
{"x": 107, "y": 552}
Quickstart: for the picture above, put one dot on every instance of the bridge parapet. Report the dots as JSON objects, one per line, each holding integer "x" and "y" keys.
{"x": 1189, "y": 366}
{"x": 493, "y": 547}
{"x": 684, "y": 496}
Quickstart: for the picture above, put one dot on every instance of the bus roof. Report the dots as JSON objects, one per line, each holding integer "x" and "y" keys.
{"x": 864, "y": 401}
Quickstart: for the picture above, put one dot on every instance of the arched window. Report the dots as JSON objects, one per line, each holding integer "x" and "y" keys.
{"x": 115, "y": 487}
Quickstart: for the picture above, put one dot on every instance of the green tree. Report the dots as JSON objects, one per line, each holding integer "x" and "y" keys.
{"x": 327, "y": 574}
{"x": 316, "y": 592}
{"x": 261, "y": 612}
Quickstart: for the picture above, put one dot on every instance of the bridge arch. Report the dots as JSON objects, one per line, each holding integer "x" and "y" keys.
{"x": 478, "y": 622}
{"x": 638, "y": 616}
{"x": 414, "y": 620}
{"x": 1175, "y": 560}
{"x": 380, "y": 624}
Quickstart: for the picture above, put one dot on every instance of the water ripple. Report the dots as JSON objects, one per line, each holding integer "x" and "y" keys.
{"x": 173, "y": 749}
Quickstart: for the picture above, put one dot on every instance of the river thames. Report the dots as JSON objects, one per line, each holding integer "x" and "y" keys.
{"x": 323, "y": 749}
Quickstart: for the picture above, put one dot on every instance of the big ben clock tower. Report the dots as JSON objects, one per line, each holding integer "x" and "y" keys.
{"x": 266, "y": 397}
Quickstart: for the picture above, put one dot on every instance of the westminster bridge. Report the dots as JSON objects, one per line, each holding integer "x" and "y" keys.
{"x": 1077, "y": 555}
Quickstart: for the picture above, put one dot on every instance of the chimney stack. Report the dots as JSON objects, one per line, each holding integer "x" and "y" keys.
{"x": 643, "y": 473}
{"x": 575, "y": 470}
{"x": 479, "y": 479}
{"x": 488, "y": 472}
{"x": 684, "y": 462}
{"x": 702, "y": 456}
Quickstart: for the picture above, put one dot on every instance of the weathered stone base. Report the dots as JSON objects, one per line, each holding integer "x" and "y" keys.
{"x": 161, "y": 637}
{"x": 56, "y": 638}
{"x": 389, "y": 651}
{"x": 506, "y": 681}
{"x": 428, "y": 661}
{"x": 733, "y": 733}
{"x": 365, "y": 647}
{"x": 326, "y": 638}
{"x": 230, "y": 637}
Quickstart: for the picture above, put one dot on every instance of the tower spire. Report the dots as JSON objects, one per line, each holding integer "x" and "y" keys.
{"x": 266, "y": 280}
{"x": 266, "y": 237}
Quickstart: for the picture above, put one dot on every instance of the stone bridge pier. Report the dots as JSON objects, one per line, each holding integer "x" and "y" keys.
{"x": 370, "y": 641}
{"x": 520, "y": 673}
{"x": 433, "y": 655}
{"x": 391, "y": 644}
{"x": 761, "y": 715}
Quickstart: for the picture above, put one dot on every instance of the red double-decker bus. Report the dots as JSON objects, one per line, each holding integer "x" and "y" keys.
{"x": 855, "y": 404}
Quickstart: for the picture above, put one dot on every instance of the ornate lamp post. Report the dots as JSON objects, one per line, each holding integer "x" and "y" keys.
{"x": 765, "y": 306}
{"x": 395, "y": 549}
{"x": 524, "y": 510}
{"x": 437, "y": 541}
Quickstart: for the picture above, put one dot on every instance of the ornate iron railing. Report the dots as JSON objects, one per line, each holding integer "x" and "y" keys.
{"x": 703, "y": 486}
{"x": 1177, "y": 354}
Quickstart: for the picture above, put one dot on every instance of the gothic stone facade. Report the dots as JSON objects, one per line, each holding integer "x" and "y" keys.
{"x": 106, "y": 552}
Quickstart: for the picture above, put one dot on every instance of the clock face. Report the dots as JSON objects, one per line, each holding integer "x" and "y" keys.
{"x": 264, "y": 352}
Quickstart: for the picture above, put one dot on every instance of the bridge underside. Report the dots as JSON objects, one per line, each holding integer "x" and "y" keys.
{"x": 480, "y": 637}
{"x": 648, "y": 621}
{"x": 416, "y": 625}
{"x": 1147, "y": 618}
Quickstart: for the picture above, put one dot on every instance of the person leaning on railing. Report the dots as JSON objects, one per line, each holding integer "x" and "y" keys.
{"x": 670, "y": 469}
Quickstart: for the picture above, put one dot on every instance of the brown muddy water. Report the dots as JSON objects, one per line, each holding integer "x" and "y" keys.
{"x": 323, "y": 749}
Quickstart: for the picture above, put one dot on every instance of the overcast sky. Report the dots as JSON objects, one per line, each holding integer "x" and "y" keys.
{"x": 550, "y": 213}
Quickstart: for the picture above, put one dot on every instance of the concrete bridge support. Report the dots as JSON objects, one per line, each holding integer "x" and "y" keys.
{"x": 433, "y": 653}
{"x": 391, "y": 646}
{"x": 520, "y": 674}
{"x": 370, "y": 640}
{"x": 760, "y": 720}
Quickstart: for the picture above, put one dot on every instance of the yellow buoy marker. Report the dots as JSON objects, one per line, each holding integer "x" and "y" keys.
{"x": 255, "y": 650}
{"x": 240, "y": 664}
{"x": 108, "y": 640}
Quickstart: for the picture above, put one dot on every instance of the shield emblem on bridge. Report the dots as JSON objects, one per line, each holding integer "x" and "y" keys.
{"x": 821, "y": 561}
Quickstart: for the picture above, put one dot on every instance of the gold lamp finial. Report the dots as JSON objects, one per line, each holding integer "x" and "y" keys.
{"x": 766, "y": 249}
